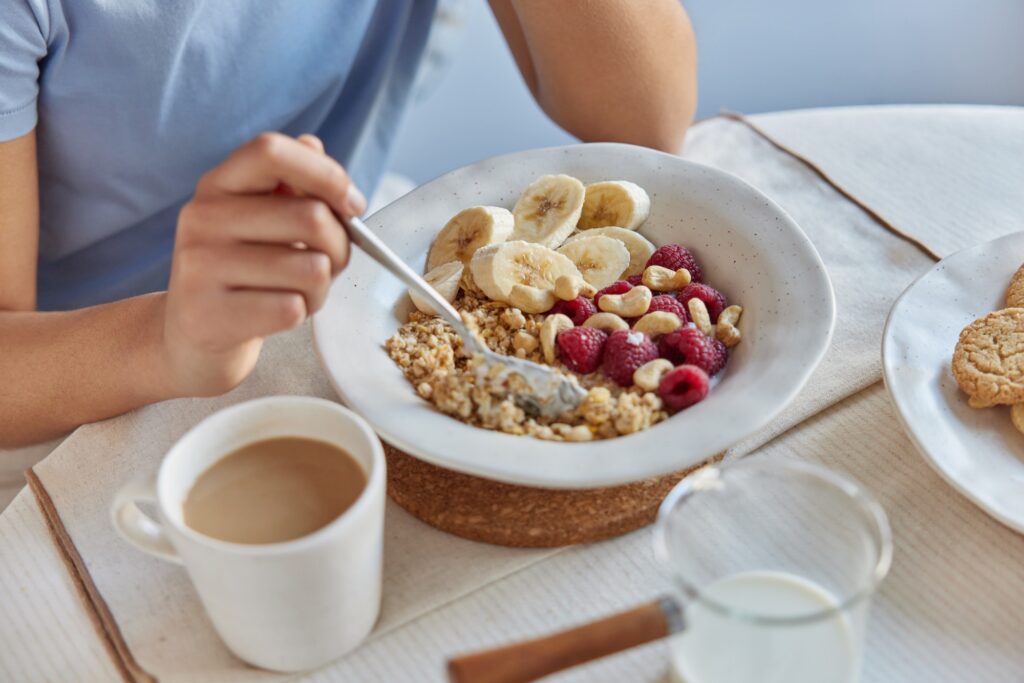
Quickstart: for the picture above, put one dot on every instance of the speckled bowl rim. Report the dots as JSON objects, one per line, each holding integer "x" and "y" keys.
{"x": 778, "y": 355}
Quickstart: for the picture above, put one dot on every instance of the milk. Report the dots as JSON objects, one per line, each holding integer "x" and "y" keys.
{"x": 715, "y": 648}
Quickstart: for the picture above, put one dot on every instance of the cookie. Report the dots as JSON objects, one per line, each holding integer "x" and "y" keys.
{"x": 1015, "y": 292}
{"x": 1017, "y": 415}
{"x": 988, "y": 362}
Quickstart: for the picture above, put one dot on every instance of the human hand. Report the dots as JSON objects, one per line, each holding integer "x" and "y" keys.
{"x": 255, "y": 253}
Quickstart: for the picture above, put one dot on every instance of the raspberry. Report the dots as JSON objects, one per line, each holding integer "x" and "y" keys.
{"x": 669, "y": 304}
{"x": 619, "y": 287}
{"x": 578, "y": 309}
{"x": 712, "y": 298}
{"x": 682, "y": 387}
{"x": 635, "y": 279}
{"x": 674, "y": 257}
{"x": 692, "y": 347}
{"x": 668, "y": 348}
{"x": 581, "y": 347}
{"x": 624, "y": 353}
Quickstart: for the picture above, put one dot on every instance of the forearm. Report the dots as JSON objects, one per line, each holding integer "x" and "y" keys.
{"x": 61, "y": 370}
{"x": 607, "y": 70}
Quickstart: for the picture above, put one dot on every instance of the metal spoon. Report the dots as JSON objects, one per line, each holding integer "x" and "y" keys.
{"x": 551, "y": 394}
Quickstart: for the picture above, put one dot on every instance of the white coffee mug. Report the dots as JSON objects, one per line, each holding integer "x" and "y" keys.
{"x": 286, "y": 606}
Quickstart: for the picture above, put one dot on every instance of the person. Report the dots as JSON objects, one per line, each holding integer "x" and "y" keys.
{"x": 172, "y": 174}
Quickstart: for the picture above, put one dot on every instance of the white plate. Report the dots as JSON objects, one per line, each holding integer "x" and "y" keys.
{"x": 748, "y": 247}
{"x": 977, "y": 451}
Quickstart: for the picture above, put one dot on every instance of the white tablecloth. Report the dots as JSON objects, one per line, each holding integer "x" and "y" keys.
{"x": 951, "y": 608}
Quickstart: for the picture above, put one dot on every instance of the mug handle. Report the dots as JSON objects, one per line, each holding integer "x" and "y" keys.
{"x": 138, "y": 528}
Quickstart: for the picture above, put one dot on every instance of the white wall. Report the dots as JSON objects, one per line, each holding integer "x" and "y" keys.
{"x": 755, "y": 55}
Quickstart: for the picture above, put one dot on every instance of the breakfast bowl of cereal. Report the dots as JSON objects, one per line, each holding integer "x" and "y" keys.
{"x": 686, "y": 308}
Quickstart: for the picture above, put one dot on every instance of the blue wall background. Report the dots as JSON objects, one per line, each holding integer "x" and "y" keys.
{"x": 754, "y": 56}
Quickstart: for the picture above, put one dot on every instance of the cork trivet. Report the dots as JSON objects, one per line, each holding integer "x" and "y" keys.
{"x": 522, "y": 516}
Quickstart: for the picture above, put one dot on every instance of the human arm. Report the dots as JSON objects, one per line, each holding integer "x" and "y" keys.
{"x": 607, "y": 70}
{"x": 236, "y": 278}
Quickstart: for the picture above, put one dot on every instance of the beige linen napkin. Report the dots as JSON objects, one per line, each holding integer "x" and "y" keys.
{"x": 149, "y": 613}
{"x": 950, "y": 611}
{"x": 931, "y": 171}
{"x": 149, "y": 610}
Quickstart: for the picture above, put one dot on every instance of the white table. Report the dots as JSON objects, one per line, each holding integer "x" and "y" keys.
{"x": 923, "y": 627}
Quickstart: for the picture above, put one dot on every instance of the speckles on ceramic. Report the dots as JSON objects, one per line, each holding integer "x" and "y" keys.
{"x": 747, "y": 245}
{"x": 977, "y": 451}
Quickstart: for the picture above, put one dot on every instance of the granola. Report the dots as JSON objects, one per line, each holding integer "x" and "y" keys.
{"x": 430, "y": 355}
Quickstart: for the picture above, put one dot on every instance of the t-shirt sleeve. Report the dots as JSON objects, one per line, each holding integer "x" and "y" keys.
{"x": 22, "y": 46}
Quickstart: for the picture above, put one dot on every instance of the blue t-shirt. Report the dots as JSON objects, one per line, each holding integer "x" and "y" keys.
{"x": 136, "y": 99}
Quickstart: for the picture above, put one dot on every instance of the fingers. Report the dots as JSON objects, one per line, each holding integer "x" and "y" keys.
{"x": 266, "y": 219}
{"x": 252, "y": 266}
{"x": 222, "y": 319}
{"x": 257, "y": 246}
{"x": 312, "y": 141}
{"x": 271, "y": 159}
{"x": 255, "y": 267}
{"x": 251, "y": 313}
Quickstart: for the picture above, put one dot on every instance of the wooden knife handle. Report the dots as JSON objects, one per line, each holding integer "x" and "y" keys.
{"x": 532, "y": 659}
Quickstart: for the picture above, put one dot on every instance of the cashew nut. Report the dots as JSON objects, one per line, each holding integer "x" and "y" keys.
{"x": 632, "y": 304}
{"x": 531, "y": 299}
{"x": 662, "y": 279}
{"x": 567, "y": 287}
{"x": 588, "y": 290}
{"x": 609, "y": 322}
{"x": 726, "y": 329}
{"x": 549, "y": 329}
{"x": 731, "y": 315}
{"x": 699, "y": 316}
{"x": 524, "y": 341}
{"x": 658, "y": 323}
{"x": 578, "y": 433}
{"x": 648, "y": 376}
{"x": 728, "y": 335}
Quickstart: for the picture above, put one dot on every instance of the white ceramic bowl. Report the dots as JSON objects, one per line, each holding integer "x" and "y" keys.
{"x": 977, "y": 451}
{"x": 747, "y": 246}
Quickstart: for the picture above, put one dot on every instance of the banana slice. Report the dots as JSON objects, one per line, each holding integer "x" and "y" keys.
{"x": 498, "y": 268}
{"x": 467, "y": 231}
{"x": 640, "y": 248}
{"x": 445, "y": 279}
{"x": 548, "y": 210}
{"x": 599, "y": 259}
{"x": 614, "y": 203}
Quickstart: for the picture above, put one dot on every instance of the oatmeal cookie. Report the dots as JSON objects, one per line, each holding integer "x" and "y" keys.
{"x": 988, "y": 362}
{"x": 1015, "y": 292}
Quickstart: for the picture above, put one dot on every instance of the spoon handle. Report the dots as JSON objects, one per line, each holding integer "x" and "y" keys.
{"x": 360, "y": 235}
{"x": 532, "y": 659}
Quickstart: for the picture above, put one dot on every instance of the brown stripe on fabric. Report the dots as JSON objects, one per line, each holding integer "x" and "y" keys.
{"x": 877, "y": 217}
{"x": 94, "y": 604}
